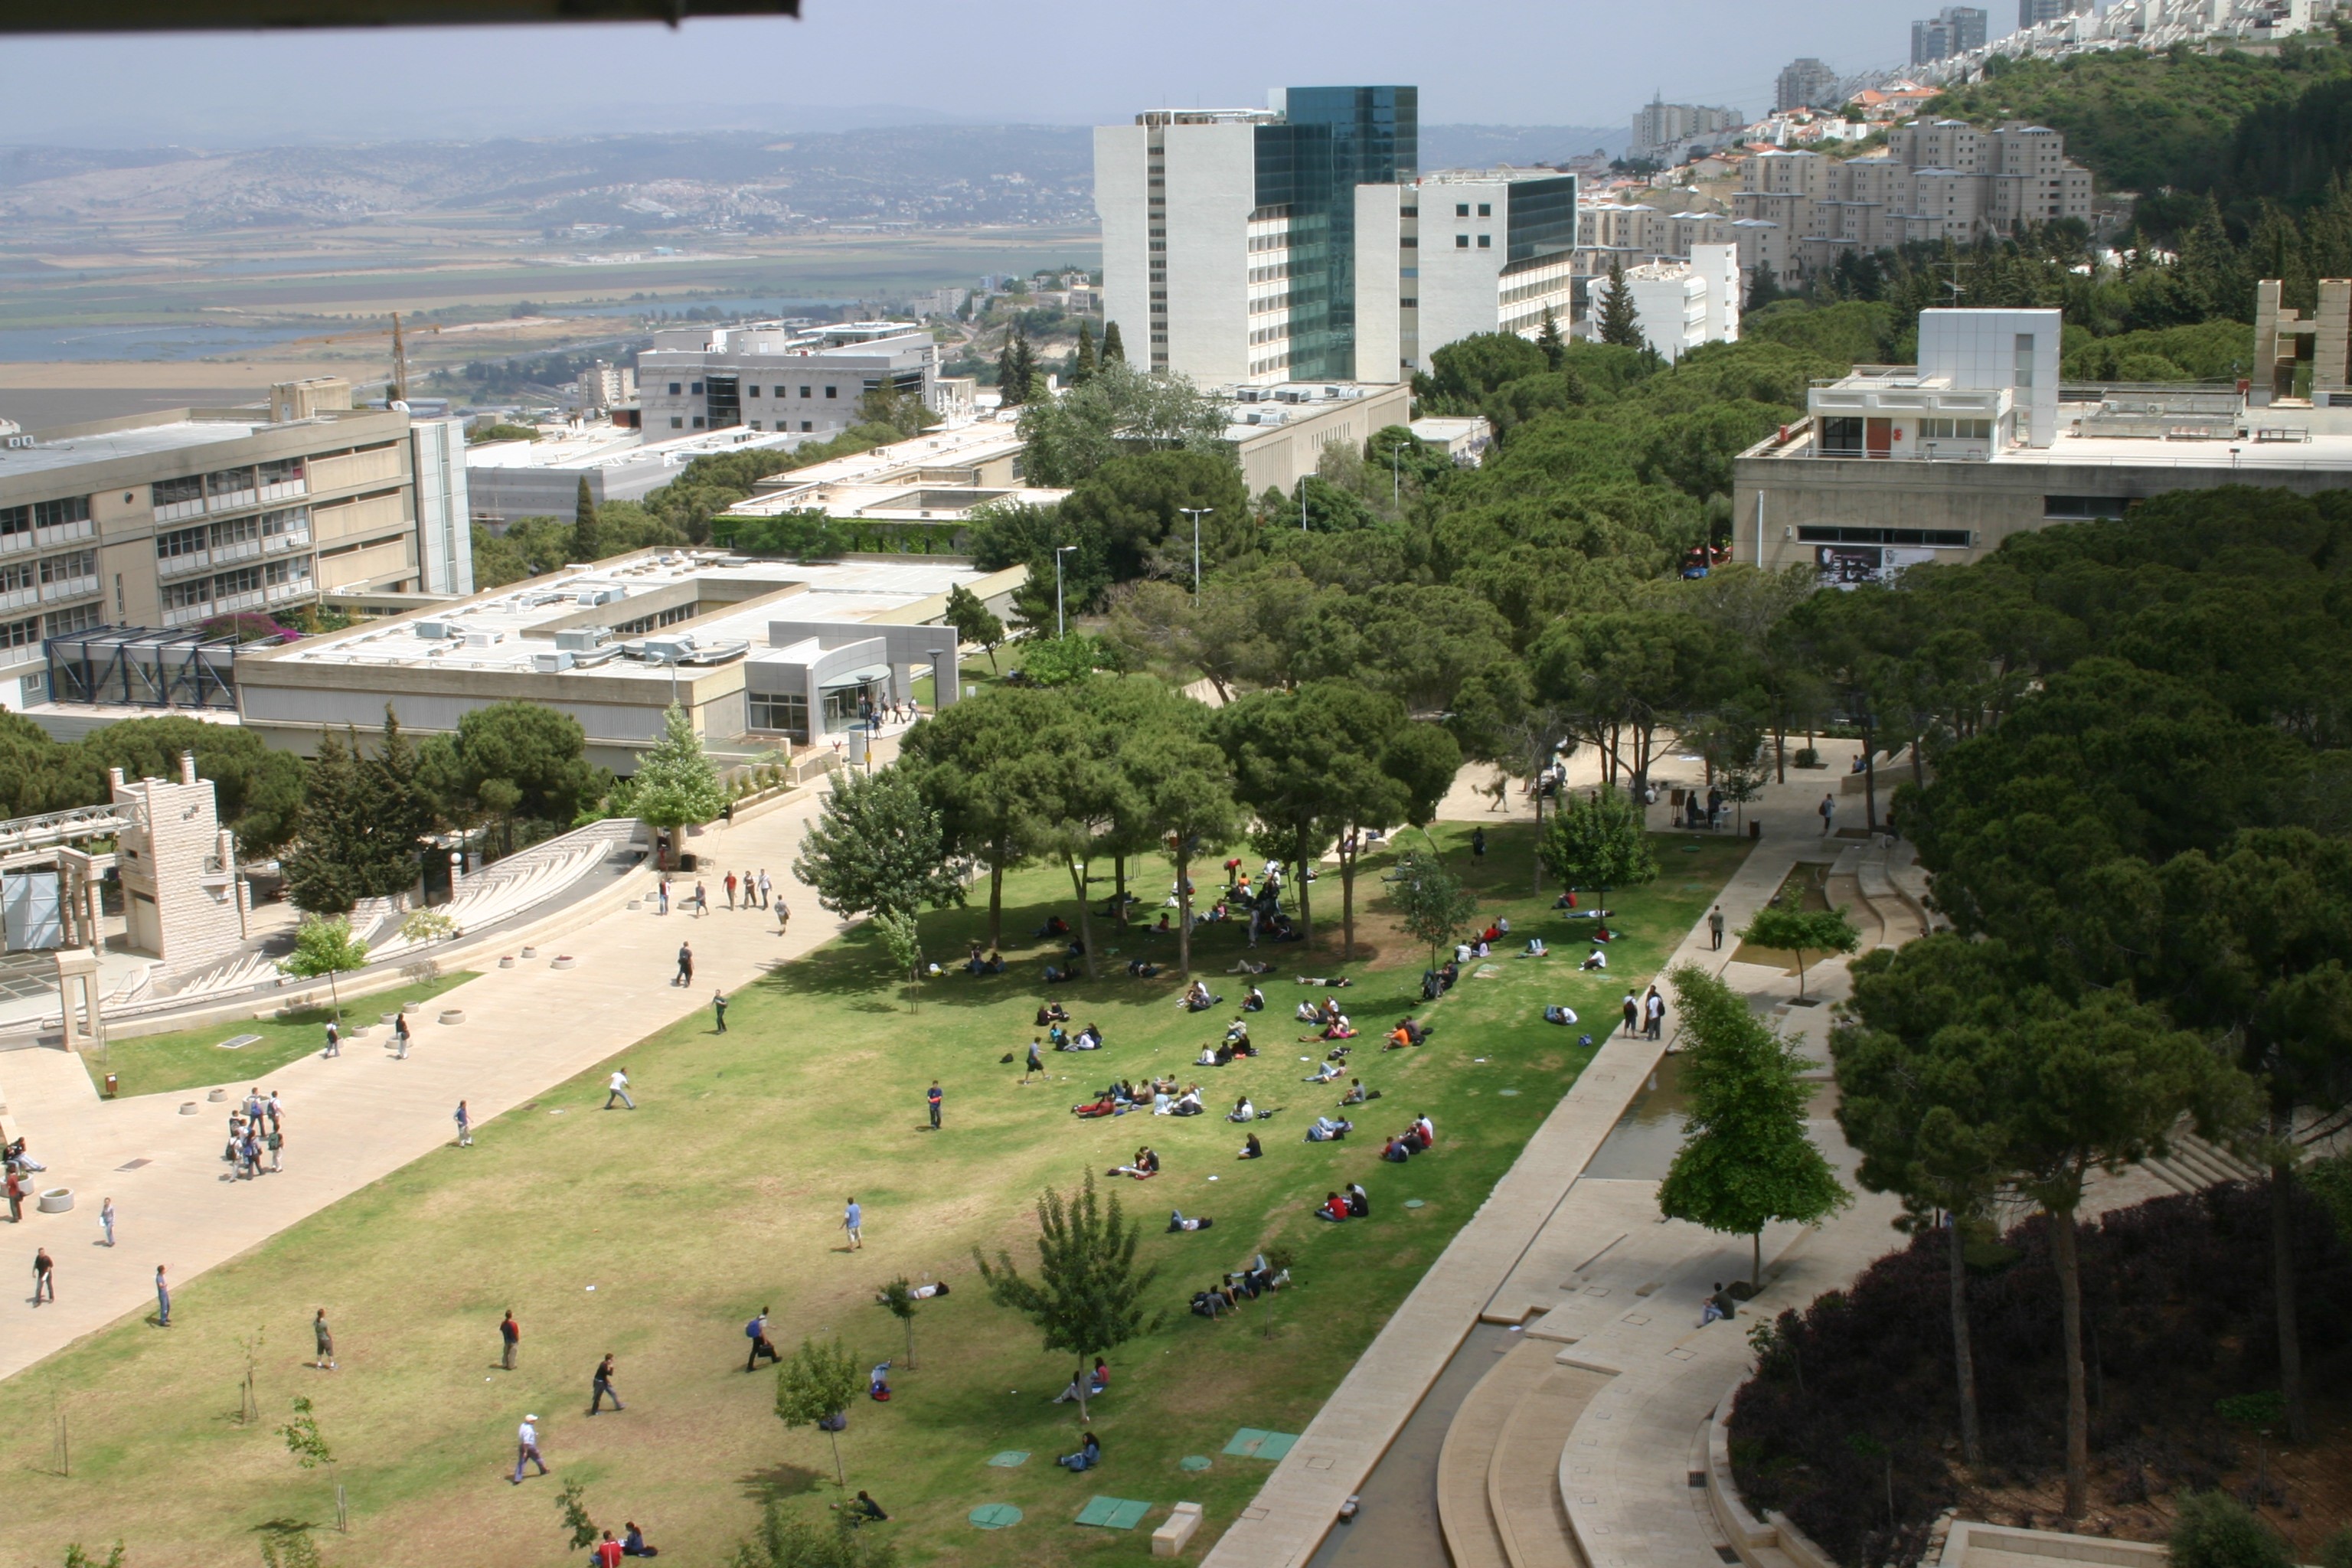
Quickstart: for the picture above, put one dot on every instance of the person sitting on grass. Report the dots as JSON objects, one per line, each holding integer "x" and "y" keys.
{"x": 1145, "y": 1165}
{"x": 1098, "y": 1384}
{"x": 1253, "y": 1000}
{"x": 1240, "y": 1041}
{"x": 1358, "y": 1094}
{"x": 1323, "y": 1073}
{"x": 1050, "y": 1013}
{"x": 1396, "y": 1150}
{"x": 1088, "y": 1456}
{"x": 1327, "y": 1129}
{"x": 877, "y": 1383}
{"x": 1567, "y": 901}
{"x": 1058, "y": 1037}
{"x": 994, "y": 963}
{"x": 1560, "y": 1015}
{"x": 1188, "y": 1103}
{"x": 1335, "y": 1208}
{"x": 1596, "y": 959}
{"x": 1089, "y": 1039}
{"x": 632, "y": 1541}
{"x": 1214, "y": 1057}
{"x": 1359, "y": 1202}
{"x": 1243, "y": 1110}
{"x": 863, "y": 1509}
{"x": 1176, "y": 1221}
{"x": 1251, "y": 1149}
{"x": 1196, "y": 998}
{"x": 1425, "y": 1130}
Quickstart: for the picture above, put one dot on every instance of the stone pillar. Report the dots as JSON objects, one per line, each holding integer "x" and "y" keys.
{"x": 2332, "y": 340}
{"x": 78, "y": 991}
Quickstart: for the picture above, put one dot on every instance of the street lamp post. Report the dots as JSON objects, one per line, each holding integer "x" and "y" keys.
{"x": 1060, "y": 629}
{"x": 1196, "y": 513}
{"x": 1396, "y": 481}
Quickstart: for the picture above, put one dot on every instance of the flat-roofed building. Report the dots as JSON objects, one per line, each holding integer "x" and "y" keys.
{"x": 510, "y": 480}
{"x": 168, "y": 520}
{"x": 780, "y": 375}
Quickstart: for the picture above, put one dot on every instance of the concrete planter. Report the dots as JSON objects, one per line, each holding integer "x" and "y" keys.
{"x": 453, "y": 1015}
{"x": 56, "y": 1200}
{"x": 531, "y": 953}
{"x": 507, "y": 963}
{"x": 188, "y": 1108}
{"x": 564, "y": 961}
{"x": 217, "y": 1095}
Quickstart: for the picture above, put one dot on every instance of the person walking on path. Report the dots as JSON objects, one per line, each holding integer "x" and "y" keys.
{"x": 852, "y": 1220}
{"x": 334, "y": 1039}
{"x": 718, "y": 1009}
{"x": 276, "y": 1143}
{"x": 509, "y": 1340}
{"x": 1036, "y": 1064}
{"x": 1654, "y": 1006}
{"x": 326, "y": 1338}
{"x": 400, "y": 1033}
{"x": 701, "y": 900}
{"x": 527, "y": 1447}
{"x": 45, "y": 1279}
{"x": 163, "y": 1299}
{"x": 685, "y": 964}
{"x": 1715, "y": 926}
{"x": 663, "y": 894}
{"x": 1478, "y": 844}
{"x": 618, "y": 1088}
{"x": 1632, "y": 1014}
{"x": 276, "y": 1110}
{"x": 1828, "y": 809}
{"x": 765, "y": 886}
{"x": 783, "y": 916}
{"x": 106, "y": 1220}
{"x": 730, "y": 890}
{"x": 602, "y": 1388}
{"x": 932, "y": 1098}
{"x": 465, "y": 1121}
{"x": 756, "y": 1331}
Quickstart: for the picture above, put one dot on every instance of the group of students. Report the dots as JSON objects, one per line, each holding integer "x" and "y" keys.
{"x": 1259, "y": 1279}
{"x": 254, "y": 1127}
{"x": 1234, "y": 1045}
{"x": 1163, "y": 1095}
{"x": 1354, "y": 1203}
{"x": 1416, "y": 1139}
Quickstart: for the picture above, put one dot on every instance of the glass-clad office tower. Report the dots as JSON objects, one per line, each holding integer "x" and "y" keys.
{"x": 1329, "y": 140}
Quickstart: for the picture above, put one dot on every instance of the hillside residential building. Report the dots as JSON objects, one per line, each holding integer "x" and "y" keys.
{"x": 779, "y": 375}
{"x": 1937, "y": 180}
{"x": 2033, "y": 13}
{"x": 1899, "y": 464}
{"x": 1949, "y": 32}
{"x": 1663, "y": 131}
{"x": 1805, "y": 83}
{"x": 604, "y": 386}
{"x": 167, "y": 519}
{"x": 1300, "y": 242}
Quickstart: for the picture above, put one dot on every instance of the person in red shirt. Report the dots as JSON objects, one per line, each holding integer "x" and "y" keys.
{"x": 1335, "y": 1206}
{"x": 608, "y": 1552}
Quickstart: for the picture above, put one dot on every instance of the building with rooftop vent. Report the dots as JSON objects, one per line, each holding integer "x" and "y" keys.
{"x": 771, "y": 377}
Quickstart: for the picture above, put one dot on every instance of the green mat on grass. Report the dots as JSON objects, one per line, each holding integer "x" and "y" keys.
{"x": 1114, "y": 1512}
{"x": 1256, "y": 1445}
{"x": 994, "y": 1515}
{"x": 1194, "y": 1462}
{"x": 1010, "y": 1458}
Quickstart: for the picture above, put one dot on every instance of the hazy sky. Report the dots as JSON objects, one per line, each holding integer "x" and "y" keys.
{"x": 1565, "y": 62}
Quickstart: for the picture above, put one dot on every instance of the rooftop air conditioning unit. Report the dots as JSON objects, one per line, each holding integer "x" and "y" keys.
{"x": 598, "y": 595}
{"x": 581, "y": 639}
{"x": 433, "y": 629}
{"x": 484, "y": 639}
{"x": 548, "y": 663}
{"x": 670, "y": 647}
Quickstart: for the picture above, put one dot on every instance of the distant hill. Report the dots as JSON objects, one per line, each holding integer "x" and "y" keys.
{"x": 2239, "y": 127}
{"x": 1484, "y": 146}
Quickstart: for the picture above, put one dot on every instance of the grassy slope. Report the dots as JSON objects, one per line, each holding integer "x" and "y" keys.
{"x": 724, "y": 1191}
{"x": 187, "y": 1058}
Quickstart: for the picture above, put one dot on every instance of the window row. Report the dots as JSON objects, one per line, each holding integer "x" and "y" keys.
{"x": 1461, "y": 242}
{"x": 1462, "y": 209}
{"x": 779, "y": 391}
{"x": 43, "y": 514}
{"x": 1956, "y": 429}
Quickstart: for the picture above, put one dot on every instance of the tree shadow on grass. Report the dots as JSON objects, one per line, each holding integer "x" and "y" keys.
{"x": 781, "y": 1482}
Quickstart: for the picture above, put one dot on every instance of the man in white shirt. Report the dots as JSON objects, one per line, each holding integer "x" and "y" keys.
{"x": 618, "y": 1088}
{"x": 527, "y": 1447}
{"x": 765, "y": 888}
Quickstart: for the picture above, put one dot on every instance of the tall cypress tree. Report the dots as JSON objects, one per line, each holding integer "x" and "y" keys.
{"x": 1082, "y": 364}
{"x": 584, "y": 522}
{"x": 1112, "y": 348}
{"x": 1619, "y": 323}
{"x": 1007, "y": 393}
{"x": 319, "y": 878}
{"x": 1019, "y": 369}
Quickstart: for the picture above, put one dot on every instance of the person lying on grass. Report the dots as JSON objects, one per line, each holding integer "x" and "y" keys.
{"x": 1323, "y": 1073}
{"x": 1325, "y": 982}
{"x": 1176, "y": 1221}
{"x": 1143, "y": 1167}
{"x": 1327, "y": 1129}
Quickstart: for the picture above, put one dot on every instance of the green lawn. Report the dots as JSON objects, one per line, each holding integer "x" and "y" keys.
{"x": 724, "y": 1192}
{"x": 190, "y": 1058}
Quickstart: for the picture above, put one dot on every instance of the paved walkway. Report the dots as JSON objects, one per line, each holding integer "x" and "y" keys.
{"x": 357, "y": 1118}
{"x": 1297, "y": 1505}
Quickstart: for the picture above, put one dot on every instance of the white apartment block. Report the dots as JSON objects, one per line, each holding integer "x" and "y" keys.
{"x": 779, "y": 375}
{"x": 1661, "y": 128}
{"x": 1681, "y": 304}
{"x": 604, "y": 386}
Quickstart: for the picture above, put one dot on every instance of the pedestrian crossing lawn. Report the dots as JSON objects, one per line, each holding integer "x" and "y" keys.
{"x": 724, "y": 1194}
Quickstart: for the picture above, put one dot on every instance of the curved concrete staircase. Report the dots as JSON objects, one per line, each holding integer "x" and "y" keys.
{"x": 1498, "y": 1495}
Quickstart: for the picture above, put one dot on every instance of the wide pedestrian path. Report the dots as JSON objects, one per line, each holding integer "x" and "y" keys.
{"x": 1296, "y": 1507}
{"x": 356, "y": 1118}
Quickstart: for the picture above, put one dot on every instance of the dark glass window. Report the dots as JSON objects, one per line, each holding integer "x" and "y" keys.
{"x": 1840, "y": 437}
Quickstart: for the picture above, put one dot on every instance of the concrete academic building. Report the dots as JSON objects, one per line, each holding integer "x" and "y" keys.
{"x": 1896, "y": 465}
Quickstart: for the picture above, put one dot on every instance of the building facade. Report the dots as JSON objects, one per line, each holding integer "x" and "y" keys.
{"x": 1661, "y": 128}
{"x": 1941, "y": 461}
{"x": 1681, "y": 304}
{"x": 1950, "y": 31}
{"x": 168, "y": 520}
{"x": 779, "y": 376}
{"x": 1805, "y": 83}
{"x": 1294, "y": 243}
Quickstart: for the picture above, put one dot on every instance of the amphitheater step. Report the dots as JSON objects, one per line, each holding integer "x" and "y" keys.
{"x": 1473, "y": 1540}
{"x": 1523, "y": 1475}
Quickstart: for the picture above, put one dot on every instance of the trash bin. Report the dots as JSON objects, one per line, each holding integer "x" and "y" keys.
{"x": 686, "y": 861}
{"x": 1755, "y": 829}
{"x": 109, "y": 1086}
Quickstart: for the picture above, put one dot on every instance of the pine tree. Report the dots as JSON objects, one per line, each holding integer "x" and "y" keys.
{"x": 1082, "y": 364}
{"x": 1619, "y": 324}
{"x": 1555, "y": 350}
{"x": 1008, "y": 394}
{"x": 399, "y": 813}
{"x": 583, "y": 511}
{"x": 1763, "y": 287}
{"x": 1112, "y": 347}
{"x": 1021, "y": 369}
{"x": 675, "y": 782}
{"x": 317, "y": 877}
